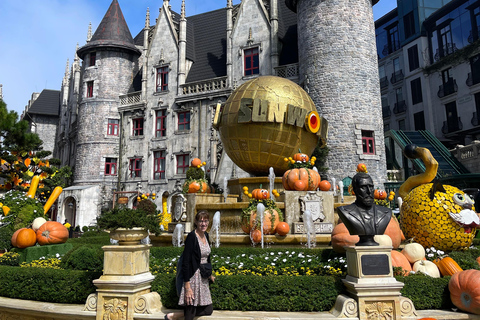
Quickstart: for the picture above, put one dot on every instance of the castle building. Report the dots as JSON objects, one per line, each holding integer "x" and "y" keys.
{"x": 136, "y": 110}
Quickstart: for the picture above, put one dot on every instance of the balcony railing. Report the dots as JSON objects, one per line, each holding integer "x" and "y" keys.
{"x": 448, "y": 49}
{"x": 475, "y": 119}
{"x": 397, "y": 76}
{"x": 390, "y": 48}
{"x": 452, "y": 126}
{"x": 400, "y": 107}
{"x": 472, "y": 79}
{"x": 386, "y": 112}
{"x": 447, "y": 88}
{"x": 383, "y": 83}
{"x": 205, "y": 86}
{"x": 288, "y": 71}
{"x": 131, "y": 98}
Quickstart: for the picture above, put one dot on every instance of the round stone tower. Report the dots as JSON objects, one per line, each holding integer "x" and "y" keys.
{"x": 339, "y": 69}
{"x": 109, "y": 62}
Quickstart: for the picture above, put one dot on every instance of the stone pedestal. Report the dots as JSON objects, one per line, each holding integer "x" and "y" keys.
{"x": 373, "y": 291}
{"x": 124, "y": 287}
{"x": 187, "y": 226}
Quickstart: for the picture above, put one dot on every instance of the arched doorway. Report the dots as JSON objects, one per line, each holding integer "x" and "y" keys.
{"x": 70, "y": 210}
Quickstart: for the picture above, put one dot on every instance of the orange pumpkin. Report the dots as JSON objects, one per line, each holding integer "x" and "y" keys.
{"x": 447, "y": 266}
{"x": 282, "y": 228}
{"x": 399, "y": 260}
{"x": 246, "y": 225}
{"x": 324, "y": 185}
{"x": 464, "y": 287}
{"x": 361, "y": 167}
{"x": 478, "y": 260}
{"x": 308, "y": 178}
{"x": 394, "y": 232}
{"x": 197, "y": 186}
{"x": 302, "y": 157}
{"x": 195, "y": 162}
{"x": 380, "y": 194}
{"x": 256, "y": 236}
{"x": 52, "y": 232}
{"x": 24, "y": 238}
{"x": 270, "y": 221}
{"x": 260, "y": 194}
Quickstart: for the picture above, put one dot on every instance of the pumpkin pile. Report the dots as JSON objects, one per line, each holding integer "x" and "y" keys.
{"x": 196, "y": 182}
{"x": 301, "y": 176}
{"x": 42, "y": 232}
{"x": 464, "y": 287}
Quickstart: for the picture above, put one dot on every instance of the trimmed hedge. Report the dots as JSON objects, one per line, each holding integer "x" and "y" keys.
{"x": 427, "y": 292}
{"x": 48, "y": 285}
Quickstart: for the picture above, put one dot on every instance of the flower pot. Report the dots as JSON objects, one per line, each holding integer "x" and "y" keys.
{"x": 127, "y": 237}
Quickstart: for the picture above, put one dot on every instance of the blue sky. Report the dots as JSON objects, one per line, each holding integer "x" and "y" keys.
{"x": 38, "y": 36}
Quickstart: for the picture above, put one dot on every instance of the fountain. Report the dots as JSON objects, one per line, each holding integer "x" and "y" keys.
{"x": 271, "y": 179}
{"x": 340, "y": 187}
{"x": 215, "y": 229}
{"x": 177, "y": 237}
{"x": 225, "y": 189}
{"x": 309, "y": 229}
{"x": 334, "y": 186}
{"x": 260, "y": 212}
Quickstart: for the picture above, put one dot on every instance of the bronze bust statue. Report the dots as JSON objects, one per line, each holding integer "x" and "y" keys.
{"x": 363, "y": 217}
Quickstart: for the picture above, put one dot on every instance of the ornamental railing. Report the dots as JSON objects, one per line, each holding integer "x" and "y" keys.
{"x": 131, "y": 98}
{"x": 288, "y": 71}
{"x": 205, "y": 86}
{"x": 447, "y": 88}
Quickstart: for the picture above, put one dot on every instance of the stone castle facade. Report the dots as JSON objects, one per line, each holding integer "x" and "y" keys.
{"x": 136, "y": 110}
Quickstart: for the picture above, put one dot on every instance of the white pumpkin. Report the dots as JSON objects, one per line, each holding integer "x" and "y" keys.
{"x": 414, "y": 252}
{"x": 37, "y": 223}
{"x": 383, "y": 240}
{"x": 427, "y": 267}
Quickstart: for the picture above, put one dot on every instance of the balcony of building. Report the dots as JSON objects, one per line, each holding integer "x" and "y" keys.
{"x": 383, "y": 83}
{"x": 472, "y": 79}
{"x": 386, "y": 112}
{"x": 446, "y": 50}
{"x": 397, "y": 76}
{"x": 452, "y": 125}
{"x": 288, "y": 71}
{"x": 391, "y": 47}
{"x": 210, "y": 88}
{"x": 475, "y": 119}
{"x": 400, "y": 107}
{"x": 447, "y": 88}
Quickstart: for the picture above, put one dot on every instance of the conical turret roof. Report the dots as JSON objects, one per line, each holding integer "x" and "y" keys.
{"x": 112, "y": 32}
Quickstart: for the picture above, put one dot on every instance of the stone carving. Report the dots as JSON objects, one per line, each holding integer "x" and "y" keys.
{"x": 407, "y": 309}
{"x": 148, "y": 303}
{"x": 380, "y": 310}
{"x": 179, "y": 207}
{"x": 115, "y": 309}
{"x": 313, "y": 203}
{"x": 91, "y": 303}
{"x": 345, "y": 307}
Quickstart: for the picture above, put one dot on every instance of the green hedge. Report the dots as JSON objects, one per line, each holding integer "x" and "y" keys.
{"x": 48, "y": 285}
{"x": 426, "y": 292}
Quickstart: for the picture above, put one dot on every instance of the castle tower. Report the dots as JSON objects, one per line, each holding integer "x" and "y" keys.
{"x": 339, "y": 69}
{"x": 109, "y": 63}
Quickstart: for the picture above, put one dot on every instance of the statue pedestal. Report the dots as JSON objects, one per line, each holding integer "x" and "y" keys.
{"x": 124, "y": 287}
{"x": 373, "y": 291}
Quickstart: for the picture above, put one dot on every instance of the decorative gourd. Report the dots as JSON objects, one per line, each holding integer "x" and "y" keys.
{"x": 282, "y": 228}
{"x": 197, "y": 186}
{"x": 24, "y": 238}
{"x": 196, "y": 162}
{"x": 447, "y": 266}
{"x": 37, "y": 223}
{"x": 256, "y": 236}
{"x": 464, "y": 290}
{"x": 260, "y": 194}
{"x": 324, "y": 185}
{"x": 302, "y": 157}
{"x": 52, "y": 232}
{"x": 361, "y": 167}
{"x": 414, "y": 252}
{"x": 383, "y": 240}
{"x": 308, "y": 179}
{"x": 394, "y": 232}
{"x": 270, "y": 221}
{"x": 380, "y": 194}
{"x": 399, "y": 260}
{"x": 427, "y": 267}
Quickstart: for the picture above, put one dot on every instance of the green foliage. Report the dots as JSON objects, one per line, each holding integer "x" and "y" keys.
{"x": 455, "y": 58}
{"x": 86, "y": 257}
{"x": 48, "y": 285}
{"x": 195, "y": 173}
{"x": 6, "y": 233}
{"x": 122, "y": 217}
{"x": 321, "y": 153}
{"x": 466, "y": 259}
{"x": 426, "y": 292}
{"x": 147, "y": 205}
{"x": 23, "y": 211}
{"x": 10, "y": 259}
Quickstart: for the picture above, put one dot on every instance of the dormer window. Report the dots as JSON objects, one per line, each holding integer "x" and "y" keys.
{"x": 162, "y": 79}
{"x": 251, "y": 64}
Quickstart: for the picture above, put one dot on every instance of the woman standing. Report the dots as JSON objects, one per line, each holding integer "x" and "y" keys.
{"x": 197, "y": 271}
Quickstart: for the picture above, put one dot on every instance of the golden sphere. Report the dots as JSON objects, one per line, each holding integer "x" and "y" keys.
{"x": 266, "y": 120}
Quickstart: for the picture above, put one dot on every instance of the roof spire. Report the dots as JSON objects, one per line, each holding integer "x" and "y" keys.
{"x": 183, "y": 9}
{"x": 229, "y": 4}
{"x": 89, "y": 33}
{"x": 1, "y": 91}
{"x": 147, "y": 19}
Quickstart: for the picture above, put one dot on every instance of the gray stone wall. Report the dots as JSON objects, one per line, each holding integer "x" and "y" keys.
{"x": 338, "y": 64}
{"x": 46, "y": 128}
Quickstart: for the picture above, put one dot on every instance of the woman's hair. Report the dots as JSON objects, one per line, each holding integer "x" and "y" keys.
{"x": 201, "y": 215}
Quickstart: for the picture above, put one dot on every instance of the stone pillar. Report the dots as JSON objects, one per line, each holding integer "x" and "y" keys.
{"x": 339, "y": 69}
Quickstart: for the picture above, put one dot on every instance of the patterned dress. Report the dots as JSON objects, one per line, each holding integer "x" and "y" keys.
{"x": 199, "y": 285}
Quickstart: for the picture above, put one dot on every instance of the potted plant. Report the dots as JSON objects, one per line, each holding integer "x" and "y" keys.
{"x": 128, "y": 226}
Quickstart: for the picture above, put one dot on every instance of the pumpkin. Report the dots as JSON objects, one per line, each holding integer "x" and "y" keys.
{"x": 383, "y": 240}
{"x": 478, "y": 260}
{"x": 52, "y": 232}
{"x": 361, "y": 167}
{"x": 260, "y": 194}
{"x": 24, "y": 238}
{"x": 324, "y": 185}
{"x": 427, "y": 267}
{"x": 196, "y": 162}
{"x": 302, "y": 157}
{"x": 447, "y": 266}
{"x": 282, "y": 228}
{"x": 414, "y": 252}
{"x": 197, "y": 186}
{"x": 380, "y": 194}
{"x": 308, "y": 179}
{"x": 464, "y": 287}
{"x": 256, "y": 236}
{"x": 37, "y": 223}
{"x": 399, "y": 260}
{"x": 246, "y": 225}
{"x": 270, "y": 221}
{"x": 394, "y": 232}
